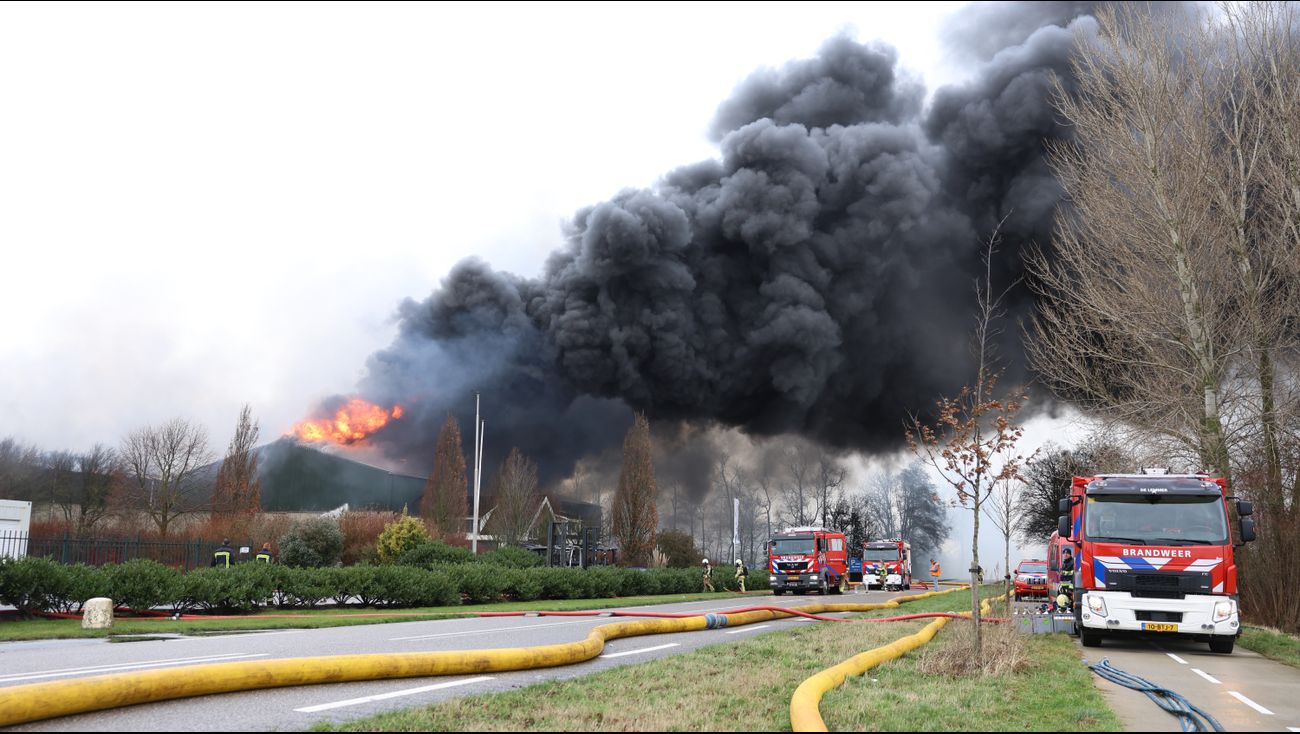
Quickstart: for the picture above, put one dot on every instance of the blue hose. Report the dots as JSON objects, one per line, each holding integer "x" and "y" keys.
{"x": 1193, "y": 718}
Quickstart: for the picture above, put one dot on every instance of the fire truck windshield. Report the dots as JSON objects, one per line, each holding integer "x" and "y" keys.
{"x": 1156, "y": 520}
{"x": 880, "y": 554}
{"x": 792, "y": 546}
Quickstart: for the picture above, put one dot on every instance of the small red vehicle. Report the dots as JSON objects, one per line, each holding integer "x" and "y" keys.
{"x": 809, "y": 559}
{"x": 1031, "y": 579}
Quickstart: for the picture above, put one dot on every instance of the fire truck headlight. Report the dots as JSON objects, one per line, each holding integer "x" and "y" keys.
{"x": 1224, "y": 610}
{"x": 1097, "y": 604}
{"x": 814, "y": 576}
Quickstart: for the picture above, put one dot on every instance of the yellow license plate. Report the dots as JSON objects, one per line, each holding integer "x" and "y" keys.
{"x": 1159, "y": 627}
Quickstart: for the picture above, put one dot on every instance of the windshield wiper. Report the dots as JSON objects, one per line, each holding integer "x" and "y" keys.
{"x": 1116, "y": 539}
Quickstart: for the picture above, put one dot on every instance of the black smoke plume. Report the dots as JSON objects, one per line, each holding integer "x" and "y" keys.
{"x": 816, "y": 278}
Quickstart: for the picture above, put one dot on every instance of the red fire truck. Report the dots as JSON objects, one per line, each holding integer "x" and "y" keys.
{"x": 1153, "y": 553}
{"x": 808, "y": 558}
{"x": 895, "y": 555}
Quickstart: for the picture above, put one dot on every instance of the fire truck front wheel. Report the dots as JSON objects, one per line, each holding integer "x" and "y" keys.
{"x": 1089, "y": 638}
{"x": 1222, "y": 644}
{"x": 778, "y": 592}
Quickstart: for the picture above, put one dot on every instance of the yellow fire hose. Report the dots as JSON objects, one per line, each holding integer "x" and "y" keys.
{"x": 36, "y": 701}
{"x": 805, "y": 704}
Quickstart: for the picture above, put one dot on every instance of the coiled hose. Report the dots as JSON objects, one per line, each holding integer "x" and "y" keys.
{"x": 1192, "y": 717}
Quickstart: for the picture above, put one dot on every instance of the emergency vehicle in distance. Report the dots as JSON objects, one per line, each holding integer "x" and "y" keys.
{"x": 808, "y": 559}
{"x": 1031, "y": 579}
{"x": 1153, "y": 553}
{"x": 895, "y": 555}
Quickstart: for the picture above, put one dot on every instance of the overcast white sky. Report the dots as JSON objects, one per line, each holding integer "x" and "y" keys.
{"x": 203, "y": 205}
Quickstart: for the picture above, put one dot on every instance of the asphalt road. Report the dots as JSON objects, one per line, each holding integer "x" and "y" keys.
{"x": 299, "y": 707}
{"x": 1244, "y": 691}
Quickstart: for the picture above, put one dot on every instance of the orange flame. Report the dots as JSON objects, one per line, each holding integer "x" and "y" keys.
{"x": 351, "y": 423}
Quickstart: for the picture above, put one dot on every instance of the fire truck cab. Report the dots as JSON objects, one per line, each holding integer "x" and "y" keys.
{"x": 1153, "y": 554}
{"x": 808, "y": 559}
{"x": 895, "y": 555}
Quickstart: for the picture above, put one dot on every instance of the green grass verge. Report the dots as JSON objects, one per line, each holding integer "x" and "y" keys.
{"x": 1272, "y": 644}
{"x": 48, "y": 629}
{"x": 746, "y": 686}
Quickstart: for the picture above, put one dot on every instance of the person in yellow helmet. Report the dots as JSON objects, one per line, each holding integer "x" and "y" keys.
{"x": 741, "y": 573}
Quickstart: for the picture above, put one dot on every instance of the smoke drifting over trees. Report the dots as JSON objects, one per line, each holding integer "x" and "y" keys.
{"x": 814, "y": 279}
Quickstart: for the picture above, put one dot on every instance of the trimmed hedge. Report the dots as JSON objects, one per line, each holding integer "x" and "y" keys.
{"x": 34, "y": 585}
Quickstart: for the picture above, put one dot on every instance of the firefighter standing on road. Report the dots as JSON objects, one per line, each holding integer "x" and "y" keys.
{"x": 741, "y": 573}
{"x": 708, "y": 576}
{"x": 221, "y": 556}
{"x": 934, "y": 573}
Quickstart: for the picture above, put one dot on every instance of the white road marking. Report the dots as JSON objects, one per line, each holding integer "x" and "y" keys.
{"x": 1250, "y": 703}
{"x": 127, "y": 666}
{"x": 191, "y": 638}
{"x": 1176, "y": 658}
{"x": 394, "y": 694}
{"x": 1293, "y": 728}
{"x": 1207, "y": 676}
{"x": 747, "y": 629}
{"x": 641, "y": 650}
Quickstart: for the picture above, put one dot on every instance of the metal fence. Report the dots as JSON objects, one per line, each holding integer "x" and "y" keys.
{"x": 185, "y": 555}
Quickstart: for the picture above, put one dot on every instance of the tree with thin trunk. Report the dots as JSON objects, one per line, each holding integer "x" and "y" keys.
{"x": 636, "y": 518}
{"x": 98, "y": 477}
{"x": 238, "y": 492}
{"x": 972, "y": 441}
{"x": 516, "y": 499}
{"x": 444, "y": 504}
{"x": 163, "y": 467}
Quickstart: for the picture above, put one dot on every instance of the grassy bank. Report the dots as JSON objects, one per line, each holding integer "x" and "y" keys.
{"x": 1272, "y": 644}
{"x": 13, "y": 629}
{"x": 746, "y": 686}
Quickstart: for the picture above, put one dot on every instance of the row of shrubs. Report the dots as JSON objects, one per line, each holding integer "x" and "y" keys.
{"x": 33, "y": 585}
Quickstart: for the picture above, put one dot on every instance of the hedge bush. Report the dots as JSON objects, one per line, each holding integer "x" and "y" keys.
{"x": 400, "y": 537}
{"x": 511, "y": 557}
{"x": 304, "y": 587}
{"x": 141, "y": 585}
{"x": 33, "y": 585}
{"x": 435, "y": 553}
{"x": 239, "y": 589}
{"x": 313, "y": 543}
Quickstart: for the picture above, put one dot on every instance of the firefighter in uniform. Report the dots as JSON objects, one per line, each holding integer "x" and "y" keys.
{"x": 264, "y": 555}
{"x": 221, "y": 556}
{"x": 882, "y": 573}
{"x": 741, "y": 573}
{"x": 708, "y": 576}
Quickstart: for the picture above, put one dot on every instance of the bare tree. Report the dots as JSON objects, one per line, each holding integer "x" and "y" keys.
{"x": 830, "y": 477}
{"x": 163, "y": 467}
{"x": 98, "y": 475}
{"x": 516, "y": 498}
{"x": 19, "y": 465}
{"x": 636, "y": 519}
{"x": 972, "y": 441}
{"x": 444, "y": 505}
{"x": 800, "y": 465}
{"x": 238, "y": 490}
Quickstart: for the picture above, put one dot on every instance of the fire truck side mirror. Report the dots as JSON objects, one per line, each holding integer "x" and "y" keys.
{"x": 1247, "y": 530}
{"x": 1063, "y": 506}
{"x": 1063, "y": 527}
{"x": 1245, "y": 508}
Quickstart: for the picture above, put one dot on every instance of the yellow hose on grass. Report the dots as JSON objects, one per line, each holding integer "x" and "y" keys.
{"x": 805, "y": 704}
{"x": 36, "y": 701}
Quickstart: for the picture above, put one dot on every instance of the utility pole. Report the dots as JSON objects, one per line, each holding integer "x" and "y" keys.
{"x": 478, "y": 467}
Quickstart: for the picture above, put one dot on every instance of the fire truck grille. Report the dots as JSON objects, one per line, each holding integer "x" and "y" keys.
{"x": 789, "y": 566}
{"x": 1150, "y": 616}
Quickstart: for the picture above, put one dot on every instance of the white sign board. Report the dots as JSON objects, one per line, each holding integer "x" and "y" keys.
{"x": 15, "y": 522}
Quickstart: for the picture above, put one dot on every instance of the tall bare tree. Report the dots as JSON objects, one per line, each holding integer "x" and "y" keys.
{"x": 972, "y": 442}
{"x": 238, "y": 490}
{"x": 636, "y": 519}
{"x": 19, "y": 464}
{"x": 163, "y": 467}
{"x": 444, "y": 504}
{"x": 98, "y": 476}
{"x": 516, "y": 499}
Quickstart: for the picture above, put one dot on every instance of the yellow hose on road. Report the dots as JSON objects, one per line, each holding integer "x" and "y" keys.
{"x": 805, "y": 704}
{"x": 36, "y": 701}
